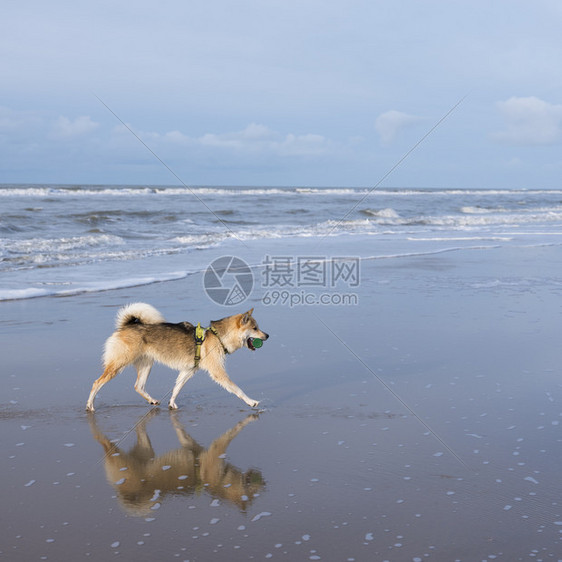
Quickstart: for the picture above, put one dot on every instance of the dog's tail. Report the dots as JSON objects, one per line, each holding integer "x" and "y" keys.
{"x": 137, "y": 313}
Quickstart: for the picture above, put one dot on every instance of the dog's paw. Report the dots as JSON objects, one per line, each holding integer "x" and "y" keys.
{"x": 172, "y": 406}
{"x": 90, "y": 408}
{"x": 254, "y": 404}
{"x": 154, "y": 402}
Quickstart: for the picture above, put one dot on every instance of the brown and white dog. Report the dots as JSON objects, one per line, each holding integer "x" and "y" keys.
{"x": 142, "y": 336}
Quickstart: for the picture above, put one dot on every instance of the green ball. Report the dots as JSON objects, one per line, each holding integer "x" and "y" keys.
{"x": 257, "y": 342}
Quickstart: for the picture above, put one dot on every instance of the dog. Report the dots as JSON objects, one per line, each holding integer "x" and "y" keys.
{"x": 142, "y": 336}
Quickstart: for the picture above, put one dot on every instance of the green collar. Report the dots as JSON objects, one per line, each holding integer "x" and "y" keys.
{"x": 200, "y": 334}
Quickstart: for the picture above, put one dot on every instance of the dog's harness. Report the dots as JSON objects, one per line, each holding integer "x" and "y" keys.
{"x": 200, "y": 334}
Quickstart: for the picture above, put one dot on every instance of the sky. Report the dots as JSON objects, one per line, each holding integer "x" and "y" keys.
{"x": 282, "y": 93}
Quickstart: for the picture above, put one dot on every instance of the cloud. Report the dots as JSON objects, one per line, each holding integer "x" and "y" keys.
{"x": 389, "y": 124}
{"x": 303, "y": 145}
{"x": 529, "y": 121}
{"x": 254, "y": 136}
{"x": 176, "y": 137}
{"x": 255, "y": 141}
{"x": 14, "y": 123}
{"x": 262, "y": 139}
{"x": 66, "y": 128}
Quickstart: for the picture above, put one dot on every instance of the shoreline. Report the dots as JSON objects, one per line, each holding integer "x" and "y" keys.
{"x": 343, "y": 244}
{"x": 341, "y": 469}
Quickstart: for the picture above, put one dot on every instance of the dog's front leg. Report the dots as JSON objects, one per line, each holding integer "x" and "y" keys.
{"x": 218, "y": 374}
{"x": 183, "y": 377}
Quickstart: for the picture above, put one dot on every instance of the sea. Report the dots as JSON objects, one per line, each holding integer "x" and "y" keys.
{"x": 72, "y": 239}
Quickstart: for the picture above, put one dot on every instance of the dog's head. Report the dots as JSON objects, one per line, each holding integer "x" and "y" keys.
{"x": 249, "y": 330}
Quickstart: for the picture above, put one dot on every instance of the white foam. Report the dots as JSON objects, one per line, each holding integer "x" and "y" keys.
{"x": 64, "y": 244}
{"x": 381, "y": 213}
{"x": 17, "y": 294}
{"x": 426, "y": 253}
{"x": 200, "y": 240}
{"x": 469, "y": 210}
{"x": 90, "y": 287}
{"x": 453, "y": 238}
{"x": 120, "y": 191}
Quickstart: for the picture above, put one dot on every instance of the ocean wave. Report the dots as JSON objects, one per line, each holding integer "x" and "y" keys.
{"x": 484, "y": 220}
{"x": 430, "y": 252}
{"x": 65, "y": 244}
{"x": 468, "y": 220}
{"x": 329, "y": 190}
{"x": 114, "y": 215}
{"x": 380, "y": 213}
{"x": 97, "y": 246}
{"x": 118, "y": 191}
{"x": 459, "y": 238}
{"x": 201, "y": 241}
{"x": 20, "y": 255}
{"x": 477, "y": 210}
{"x": 42, "y": 191}
{"x": 519, "y": 210}
{"x": 89, "y": 287}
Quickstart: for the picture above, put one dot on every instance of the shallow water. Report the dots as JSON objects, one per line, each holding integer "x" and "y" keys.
{"x": 421, "y": 424}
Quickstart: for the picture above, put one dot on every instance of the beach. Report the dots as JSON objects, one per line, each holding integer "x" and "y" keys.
{"x": 358, "y": 205}
{"x": 420, "y": 423}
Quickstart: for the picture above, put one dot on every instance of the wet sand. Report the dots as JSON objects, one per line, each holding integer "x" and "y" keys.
{"x": 422, "y": 424}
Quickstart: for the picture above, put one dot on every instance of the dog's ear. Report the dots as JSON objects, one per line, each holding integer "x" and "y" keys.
{"x": 246, "y": 316}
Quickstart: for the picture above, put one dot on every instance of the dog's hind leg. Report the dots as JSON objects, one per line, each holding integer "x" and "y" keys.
{"x": 143, "y": 366}
{"x": 111, "y": 371}
{"x": 218, "y": 374}
{"x": 183, "y": 377}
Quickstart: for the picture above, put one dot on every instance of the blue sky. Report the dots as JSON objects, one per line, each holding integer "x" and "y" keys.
{"x": 307, "y": 93}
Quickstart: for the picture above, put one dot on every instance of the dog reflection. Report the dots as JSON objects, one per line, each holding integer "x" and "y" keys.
{"x": 142, "y": 479}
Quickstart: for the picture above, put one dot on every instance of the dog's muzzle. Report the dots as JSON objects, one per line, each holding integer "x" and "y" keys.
{"x": 250, "y": 341}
